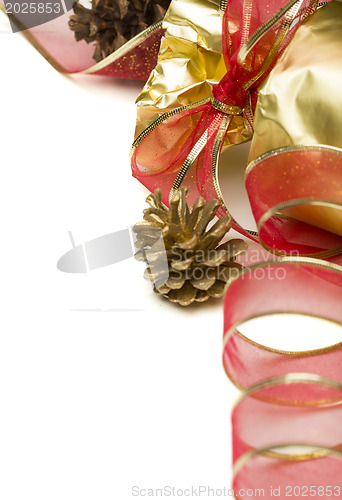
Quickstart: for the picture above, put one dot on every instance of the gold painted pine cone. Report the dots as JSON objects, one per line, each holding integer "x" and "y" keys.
{"x": 184, "y": 262}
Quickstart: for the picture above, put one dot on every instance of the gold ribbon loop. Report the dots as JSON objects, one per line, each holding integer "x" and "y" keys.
{"x": 226, "y": 108}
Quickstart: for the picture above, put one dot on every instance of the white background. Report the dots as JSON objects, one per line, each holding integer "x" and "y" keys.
{"x": 92, "y": 402}
{"x": 134, "y": 393}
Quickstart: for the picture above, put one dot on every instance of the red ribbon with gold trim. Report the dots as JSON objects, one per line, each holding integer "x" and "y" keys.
{"x": 56, "y": 42}
{"x": 287, "y": 437}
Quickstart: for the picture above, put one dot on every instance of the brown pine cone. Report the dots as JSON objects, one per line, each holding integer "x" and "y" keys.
{"x": 185, "y": 263}
{"x": 111, "y": 23}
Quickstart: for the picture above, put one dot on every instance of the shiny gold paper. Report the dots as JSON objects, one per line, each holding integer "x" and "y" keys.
{"x": 300, "y": 103}
{"x": 190, "y": 60}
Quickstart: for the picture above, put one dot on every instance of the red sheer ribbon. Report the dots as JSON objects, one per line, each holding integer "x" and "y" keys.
{"x": 290, "y": 450}
{"x": 290, "y": 177}
{"x": 286, "y": 426}
{"x": 305, "y": 286}
{"x": 56, "y": 42}
{"x": 160, "y": 156}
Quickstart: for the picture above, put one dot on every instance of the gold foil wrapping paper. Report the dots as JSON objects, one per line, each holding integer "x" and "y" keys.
{"x": 190, "y": 60}
{"x": 300, "y": 103}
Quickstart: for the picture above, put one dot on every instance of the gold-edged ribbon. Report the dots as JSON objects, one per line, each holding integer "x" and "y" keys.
{"x": 124, "y": 50}
{"x": 285, "y": 394}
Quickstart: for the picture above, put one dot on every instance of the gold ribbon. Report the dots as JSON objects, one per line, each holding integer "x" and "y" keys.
{"x": 226, "y": 108}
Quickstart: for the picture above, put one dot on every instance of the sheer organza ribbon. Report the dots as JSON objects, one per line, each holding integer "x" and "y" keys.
{"x": 184, "y": 144}
{"x": 56, "y": 42}
{"x": 287, "y": 450}
{"x": 287, "y": 437}
{"x": 291, "y": 177}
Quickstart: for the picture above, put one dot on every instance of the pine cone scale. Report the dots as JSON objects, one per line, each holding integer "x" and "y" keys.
{"x": 196, "y": 213}
{"x": 234, "y": 247}
{"x": 215, "y": 258}
{"x": 207, "y": 214}
{"x": 217, "y": 289}
{"x": 175, "y": 282}
{"x": 181, "y": 265}
{"x": 190, "y": 244}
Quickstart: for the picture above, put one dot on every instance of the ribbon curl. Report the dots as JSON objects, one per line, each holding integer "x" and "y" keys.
{"x": 286, "y": 423}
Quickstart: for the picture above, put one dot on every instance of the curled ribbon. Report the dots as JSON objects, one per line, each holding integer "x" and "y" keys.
{"x": 183, "y": 145}
{"x": 56, "y": 43}
{"x": 280, "y": 181}
{"x": 287, "y": 450}
{"x": 286, "y": 423}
